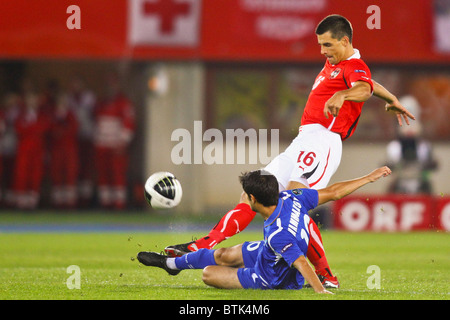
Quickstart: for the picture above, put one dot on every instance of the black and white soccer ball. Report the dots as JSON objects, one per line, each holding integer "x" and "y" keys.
{"x": 163, "y": 190}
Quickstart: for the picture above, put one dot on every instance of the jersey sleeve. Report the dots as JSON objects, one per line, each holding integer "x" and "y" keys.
{"x": 357, "y": 70}
{"x": 309, "y": 198}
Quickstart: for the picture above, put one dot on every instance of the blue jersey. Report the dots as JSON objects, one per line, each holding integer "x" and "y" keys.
{"x": 286, "y": 238}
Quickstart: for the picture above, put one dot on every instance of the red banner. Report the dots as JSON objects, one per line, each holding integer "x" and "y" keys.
{"x": 276, "y": 21}
{"x": 392, "y": 213}
{"x": 277, "y": 30}
{"x": 442, "y": 217}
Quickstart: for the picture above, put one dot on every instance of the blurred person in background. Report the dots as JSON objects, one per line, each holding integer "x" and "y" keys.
{"x": 2, "y": 131}
{"x": 63, "y": 155}
{"x": 114, "y": 130}
{"x": 82, "y": 103}
{"x": 31, "y": 126}
{"x": 410, "y": 155}
{"x": 8, "y": 145}
{"x": 50, "y": 96}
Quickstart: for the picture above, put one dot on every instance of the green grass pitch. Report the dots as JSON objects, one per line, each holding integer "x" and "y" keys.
{"x": 34, "y": 266}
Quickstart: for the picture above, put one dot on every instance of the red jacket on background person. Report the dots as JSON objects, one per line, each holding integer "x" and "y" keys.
{"x": 31, "y": 127}
{"x": 64, "y": 163}
{"x": 2, "y": 131}
{"x": 115, "y": 126}
{"x": 11, "y": 108}
{"x": 82, "y": 102}
{"x": 115, "y": 123}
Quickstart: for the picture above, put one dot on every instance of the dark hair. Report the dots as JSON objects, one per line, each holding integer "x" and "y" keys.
{"x": 338, "y": 25}
{"x": 262, "y": 185}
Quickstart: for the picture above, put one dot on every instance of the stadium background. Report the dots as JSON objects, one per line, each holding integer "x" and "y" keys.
{"x": 238, "y": 64}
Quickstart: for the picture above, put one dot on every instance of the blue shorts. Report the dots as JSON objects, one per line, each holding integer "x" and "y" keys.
{"x": 251, "y": 277}
{"x": 248, "y": 277}
{"x": 250, "y": 251}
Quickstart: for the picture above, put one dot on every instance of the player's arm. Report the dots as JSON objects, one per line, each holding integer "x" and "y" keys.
{"x": 302, "y": 265}
{"x": 392, "y": 103}
{"x": 341, "y": 189}
{"x": 359, "y": 92}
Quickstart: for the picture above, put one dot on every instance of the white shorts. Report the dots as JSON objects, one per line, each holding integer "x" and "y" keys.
{"x": 314, "y": 154}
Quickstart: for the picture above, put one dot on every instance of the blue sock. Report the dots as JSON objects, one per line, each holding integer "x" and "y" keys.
{"x": 196, "y": 260}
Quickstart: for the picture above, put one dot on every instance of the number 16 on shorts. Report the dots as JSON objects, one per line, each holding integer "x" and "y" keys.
{"x": 305, "y": 159}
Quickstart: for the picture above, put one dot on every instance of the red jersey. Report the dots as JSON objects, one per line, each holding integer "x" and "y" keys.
{"x": 331, "y": 79}
{"x": 32, "y": 127}
{"x": 115, "y": 122}
{"x": 64, "y": 131}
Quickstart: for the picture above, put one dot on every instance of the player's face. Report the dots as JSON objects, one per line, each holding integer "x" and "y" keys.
{"x": 333, "y": 49}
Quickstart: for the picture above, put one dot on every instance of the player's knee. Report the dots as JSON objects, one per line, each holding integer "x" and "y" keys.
{"x": 224, "y": 257}
{"x": 208, "y": 275}
{"x": 219, "y": 256}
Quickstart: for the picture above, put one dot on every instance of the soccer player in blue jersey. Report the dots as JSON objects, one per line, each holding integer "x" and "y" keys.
{"x": 277, "y": 262}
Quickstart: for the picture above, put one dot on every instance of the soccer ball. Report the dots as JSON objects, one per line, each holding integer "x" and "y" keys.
{"x": 163, "y": 190}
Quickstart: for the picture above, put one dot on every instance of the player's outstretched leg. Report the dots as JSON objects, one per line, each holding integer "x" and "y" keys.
{"x": 231, "y": 223}
{"x": 316, "y": 255}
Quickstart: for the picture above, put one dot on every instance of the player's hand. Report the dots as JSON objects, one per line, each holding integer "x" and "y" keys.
{"x": 400, "y": 112}
{"x": 333, "y": 105}
{"x": 244, "y": 198}
{"x": 325, "y": 291}
{"x": 378, "y": 173}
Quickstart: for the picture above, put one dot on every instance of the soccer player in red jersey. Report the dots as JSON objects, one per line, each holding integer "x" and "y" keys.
{"x": 331, "y": 115}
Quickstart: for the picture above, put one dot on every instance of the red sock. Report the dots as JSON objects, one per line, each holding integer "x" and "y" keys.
{"x": 232, "y": 223}
{"x": 316, "y": 251}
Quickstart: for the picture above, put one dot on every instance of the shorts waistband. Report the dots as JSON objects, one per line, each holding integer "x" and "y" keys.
{"x": 312, "y": 127}
{"x": 315, "y": 127}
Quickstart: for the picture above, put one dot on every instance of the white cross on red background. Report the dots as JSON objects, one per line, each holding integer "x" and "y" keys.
{"x": 164, "y": 22}
{"x": 167, "y": 11}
